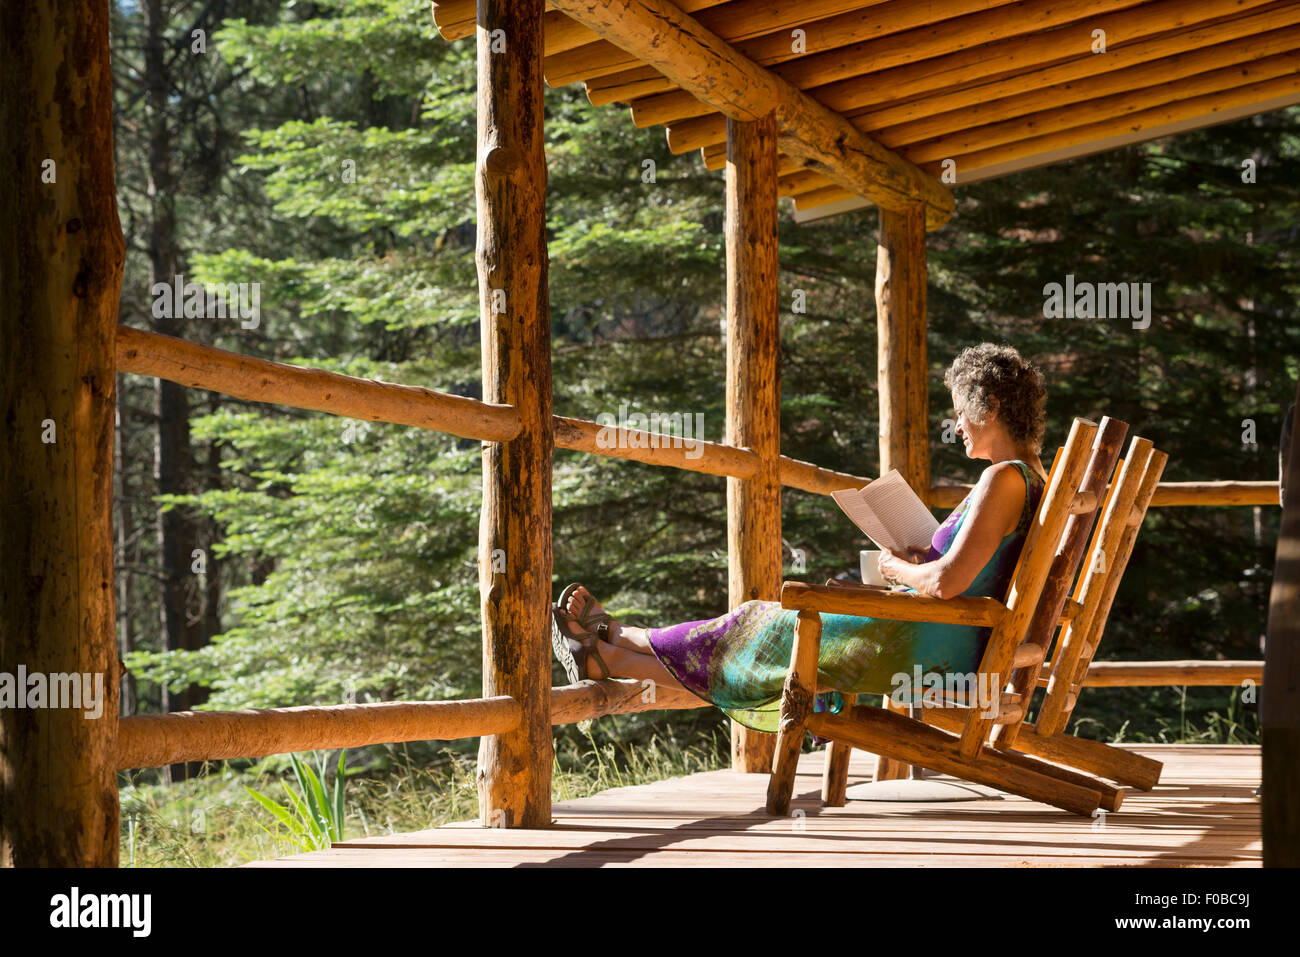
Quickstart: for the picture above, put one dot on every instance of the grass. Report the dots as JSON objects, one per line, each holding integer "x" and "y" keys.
{"x": 211, "y": 821}
{"x": 1166, "y": 715}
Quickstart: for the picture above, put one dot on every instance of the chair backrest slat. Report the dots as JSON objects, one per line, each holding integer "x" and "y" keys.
{"x": 1031, "y": 574}
{"x": 1114, "y": 539}
{"x": 1093, "y": 578}
{"x": 1056, "y": 590}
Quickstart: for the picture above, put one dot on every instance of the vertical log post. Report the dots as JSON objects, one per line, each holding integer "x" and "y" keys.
{"x": 902, "y": 372}
{"x": 1279, "y": 703}
{"x": 514, "y": 769}
{"x": 753, "y": 388}
{"x": 61, "y": 252}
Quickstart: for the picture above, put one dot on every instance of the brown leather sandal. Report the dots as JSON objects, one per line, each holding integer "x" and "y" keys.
{"x": 572, "y": 650}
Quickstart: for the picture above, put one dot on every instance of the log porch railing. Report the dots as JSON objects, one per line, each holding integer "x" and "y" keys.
{"x": 155, "y": 740}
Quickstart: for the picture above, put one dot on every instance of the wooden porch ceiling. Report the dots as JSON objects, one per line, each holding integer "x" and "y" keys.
{"x": 980, "y": 88}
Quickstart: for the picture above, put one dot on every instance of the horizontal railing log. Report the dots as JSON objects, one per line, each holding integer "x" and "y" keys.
{"x": 263, "y": 380}
{"x": 152, "y": 740}
{"x": 1152, "y": 674}
{"x": 655, "y": 448}
{"x": 812, "y": 478}
{"x": 1215, "y": 493}
{"x": 1166, "y": 494}
{"x": 595, "y": 699}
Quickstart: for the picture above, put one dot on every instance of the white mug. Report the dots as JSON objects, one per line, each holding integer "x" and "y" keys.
{"x": 868, "y": 558}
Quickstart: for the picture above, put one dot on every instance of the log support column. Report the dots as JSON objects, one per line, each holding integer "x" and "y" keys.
{"x": 753, "y": 388}
{"x": 902, "y": 371}
{"x": 61, "y": 253}
{"x": 514, "y": 769}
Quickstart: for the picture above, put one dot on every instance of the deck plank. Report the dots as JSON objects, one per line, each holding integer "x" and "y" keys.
{"x": 1202, "y": 814}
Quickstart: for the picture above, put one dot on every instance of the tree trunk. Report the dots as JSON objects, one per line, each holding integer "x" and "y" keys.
{"x": 126, "y": 623}
{"x": 180, "y": 611}
{"x": 212, "y": 577}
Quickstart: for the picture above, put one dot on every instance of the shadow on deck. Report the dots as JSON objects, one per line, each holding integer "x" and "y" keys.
{"x": 1203, "y": 813}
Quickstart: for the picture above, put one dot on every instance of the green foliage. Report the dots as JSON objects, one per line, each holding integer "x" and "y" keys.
{"x": 374, "y": 532}
{"x": 388, "y": 37}
{"x": 313, "y": 817}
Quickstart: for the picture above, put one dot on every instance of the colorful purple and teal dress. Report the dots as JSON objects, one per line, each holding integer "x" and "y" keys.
{"x": 738, "y": 662}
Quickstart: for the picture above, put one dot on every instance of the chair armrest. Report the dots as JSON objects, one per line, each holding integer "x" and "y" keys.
{"x": 840, "y": 583}
{"x": 894, "y": 605}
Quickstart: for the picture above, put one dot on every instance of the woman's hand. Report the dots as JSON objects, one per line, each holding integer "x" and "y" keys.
{"x": 994, "y": 509}
{"x": 891, "y": 564}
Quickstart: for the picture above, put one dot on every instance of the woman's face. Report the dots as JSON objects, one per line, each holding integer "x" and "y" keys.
{"x": 974, "y": 435}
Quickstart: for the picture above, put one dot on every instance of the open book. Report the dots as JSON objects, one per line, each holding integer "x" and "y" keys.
{"x": 890, "y": 513}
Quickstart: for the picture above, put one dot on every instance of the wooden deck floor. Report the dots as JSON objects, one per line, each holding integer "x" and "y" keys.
{"x": 1203, "y": 813}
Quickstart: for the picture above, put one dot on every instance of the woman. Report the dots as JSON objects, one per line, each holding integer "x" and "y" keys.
{"x": 739, "y": 661}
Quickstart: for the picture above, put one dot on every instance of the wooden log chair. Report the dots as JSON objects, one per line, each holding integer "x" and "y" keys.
{"x": 1108, "y": 554}
{"x": 966, "y": 741}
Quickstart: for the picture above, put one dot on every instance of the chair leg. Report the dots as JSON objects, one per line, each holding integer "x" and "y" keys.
{"x": 1111, "y": 796}
{"x": 1094, "y": 757}
{"x": 835, "y": 777}
{"x": 883, "y": 732}
{"x": 796, "y": 706}
{"x": 887, "y": 768}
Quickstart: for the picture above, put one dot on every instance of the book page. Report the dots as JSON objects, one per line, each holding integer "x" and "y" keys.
{"x": 901, "y": 511}
{"x": 890, "y": 513}
{"x": 850, "y": 499}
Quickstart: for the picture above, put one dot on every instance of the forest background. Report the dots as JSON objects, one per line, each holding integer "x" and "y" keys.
{"x": 269, "y": 557}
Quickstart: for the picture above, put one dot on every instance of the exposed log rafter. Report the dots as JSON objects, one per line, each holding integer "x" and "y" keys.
{"x": 661, "y": 35}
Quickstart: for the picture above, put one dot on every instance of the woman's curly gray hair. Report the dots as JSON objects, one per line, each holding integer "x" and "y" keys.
{"x": 990, "y": 372}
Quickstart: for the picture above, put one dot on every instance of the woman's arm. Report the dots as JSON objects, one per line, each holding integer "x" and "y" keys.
{"x": 995, "y": 507}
